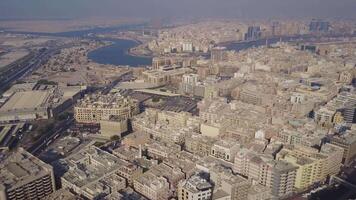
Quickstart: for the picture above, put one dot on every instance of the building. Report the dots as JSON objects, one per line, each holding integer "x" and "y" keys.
{"x": 189, "y": 81}
{"x": 278, "y": 176}
{"x": 152, "y": 187}
{"x": 218, "y": 54}
{"x": 346, "y": 141}
{"x": 39, "y": 104}
{"x": 187, "y": 47}
{"x": 313, "y": 165}
{"x": 94, "y": 173}
{"x": 28, "y": 105}
{"x": 324, "y": 117}
{"x": 319, "y": 26}
{"x": 95, "y": 108}
{"x": 227, "y": 185}
{"x": 199, "y": 144}
{"x": 23, "y": 176}
{"x": 158, "y": 78}
{"x": 113, "y": 126}
{"x": 253, "y": 33}
{"x": 225, "y": 150}
{"x": 195, "y": 187}
{"x": 62, "y": 194}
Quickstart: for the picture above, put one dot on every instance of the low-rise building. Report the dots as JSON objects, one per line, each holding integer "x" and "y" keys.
{"x": 97, "y": 107}
{"x": 93, "y": 172}
{"x": 195, "y": 187}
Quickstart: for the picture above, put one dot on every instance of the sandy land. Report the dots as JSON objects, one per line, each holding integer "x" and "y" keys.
{"x": 54, "y": 26}
{"x": 11, "y": 57}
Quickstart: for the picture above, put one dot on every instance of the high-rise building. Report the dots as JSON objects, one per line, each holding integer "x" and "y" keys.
{"x": 218, "y": 54}
{"x": 189, "y": 81}
{"x": 23, "y": 176}
{"x": 253, "y": 33}
{"x": 319, "y": 26}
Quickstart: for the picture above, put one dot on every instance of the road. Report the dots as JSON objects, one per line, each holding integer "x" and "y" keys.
{"x": 25, "y": 66}
{"x": 50, "y": 136}
{"x": 60, "y": 127}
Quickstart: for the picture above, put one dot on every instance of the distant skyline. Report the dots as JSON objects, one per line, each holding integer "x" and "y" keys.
{"x": 244, "y": 9}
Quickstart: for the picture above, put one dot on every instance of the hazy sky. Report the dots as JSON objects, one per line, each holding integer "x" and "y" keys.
{"x": 178, "y": 8}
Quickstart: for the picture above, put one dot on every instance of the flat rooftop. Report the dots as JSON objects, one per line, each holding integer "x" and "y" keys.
{"x": 19, "y": 167}
{"x": 26, "y": 100}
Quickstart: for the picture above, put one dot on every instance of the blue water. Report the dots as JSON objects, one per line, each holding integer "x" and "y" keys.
{"x": 116, "y": 54}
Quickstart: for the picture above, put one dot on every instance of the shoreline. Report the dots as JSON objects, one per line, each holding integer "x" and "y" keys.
{"x": 112, "y": 41}
{"x": 129, "y": 51}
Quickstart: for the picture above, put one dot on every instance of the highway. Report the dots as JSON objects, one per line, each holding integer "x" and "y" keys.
{"x": 25, "y": 66}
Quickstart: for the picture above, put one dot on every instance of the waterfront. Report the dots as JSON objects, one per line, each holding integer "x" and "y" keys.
{"x": 117, "y": 54}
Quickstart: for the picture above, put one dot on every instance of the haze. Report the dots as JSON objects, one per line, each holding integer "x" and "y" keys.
{"x": 249, "y": 9}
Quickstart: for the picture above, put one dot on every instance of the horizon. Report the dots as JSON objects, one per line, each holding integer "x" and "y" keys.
{"x": 241, "y": 9}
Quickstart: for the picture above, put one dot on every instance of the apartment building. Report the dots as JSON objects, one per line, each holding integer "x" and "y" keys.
{"x": 195, "y": 187}
{"x": 95, "y": 108}
{"x": 23, "y": 176}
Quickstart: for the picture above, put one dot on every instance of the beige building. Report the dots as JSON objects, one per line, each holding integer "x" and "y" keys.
{"x": 161, "y": 78}
{"x": 226, "y": 184}
{"x": 278, "y": 176}
{"x": 195, "y": 188}
{"x": 313, "y": 165}
{"x": 152, "y": 187}
{"x": 348, "y": 143}
{"x": 113, "y": 126}
{"x": 225, "y": 150}
{"x": 97, "y": 107}
{"x": 199, "y": 144}
{"x": 23, "y": 176}
{"x": 28, "y": 105}
{"x": 101, "y": 173}
{"x": 46, "y": 102}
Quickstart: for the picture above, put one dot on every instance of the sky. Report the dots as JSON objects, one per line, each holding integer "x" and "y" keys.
{"x": 245, "y": 9}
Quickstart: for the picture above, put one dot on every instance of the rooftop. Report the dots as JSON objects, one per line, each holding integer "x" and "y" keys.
{"x": 26, "y": 100}
{"x": 19, "y": 167}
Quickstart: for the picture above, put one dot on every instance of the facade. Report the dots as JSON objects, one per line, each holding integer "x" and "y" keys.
{"x": 189, "y": 82}
{"x": 313, "y": 166}
{"x": 23, "y": 176}
{"x": 195, "y": 188}
{"x": 348, "y": 143}
{"x": 152, "y": 187}
{"x": 225, "y": 150}
{"x": 278, "y": 176}
{"x": 199, "y": 144}
{"x": 113, "y": 126}
{"x": 160, "y": 78}
{"x": 218, "y": 54}
{"x": 95, "y": 108}
{"x": 227, "y": 185}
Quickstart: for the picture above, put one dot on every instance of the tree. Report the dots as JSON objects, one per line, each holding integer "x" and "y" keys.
{"x": 115, "y": 138}
{"x": 155, "y": 99}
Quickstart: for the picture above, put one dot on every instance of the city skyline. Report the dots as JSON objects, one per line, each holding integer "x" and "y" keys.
{"x": 244, "y": 9}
